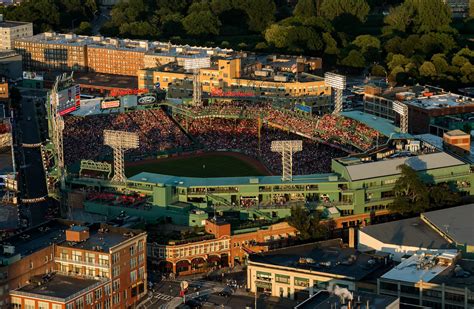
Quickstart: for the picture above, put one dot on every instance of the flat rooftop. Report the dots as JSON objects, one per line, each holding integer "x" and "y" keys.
{"x": 326, "y": 257}
{"x": 100, "y": 239}
{"x": 327, "y": 300}
{"x": 408, "y": 232}
{"x": 180, "y": 181}
{"x": 11, "y": 23}
{"x": 456, "y": 223}
{"x": 389, "y": 167}
{"x": 407, "y": 271}
{"x": 440, "y": 101}
{"x": 35, "y": 239}
{"x": 58, "y": 287}
{"x": 105, "y": 80}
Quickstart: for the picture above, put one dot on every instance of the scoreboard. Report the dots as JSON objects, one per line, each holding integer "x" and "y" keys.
{"x": 69, "y": 99}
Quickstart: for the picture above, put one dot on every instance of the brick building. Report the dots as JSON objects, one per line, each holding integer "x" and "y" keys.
{"x": 220, "y": 246}
{"x": 105, "y": 265}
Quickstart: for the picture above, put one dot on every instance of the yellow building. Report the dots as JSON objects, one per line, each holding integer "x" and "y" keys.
{"x": 227, "y": 74}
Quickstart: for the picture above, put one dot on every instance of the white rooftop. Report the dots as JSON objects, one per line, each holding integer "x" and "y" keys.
{"x": 408, "y": 271}
{"x": 389, "y": 166}
{"x": 441, "y": 101}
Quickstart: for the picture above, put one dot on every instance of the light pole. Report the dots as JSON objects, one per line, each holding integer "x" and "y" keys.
{"x": 255, "y": 283}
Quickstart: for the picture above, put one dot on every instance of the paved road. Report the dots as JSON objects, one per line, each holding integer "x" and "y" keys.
{"x": 32, "y": 176}
{"x": 101, "y": 18}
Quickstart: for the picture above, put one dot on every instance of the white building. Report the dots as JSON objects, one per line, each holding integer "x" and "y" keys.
{"x": 10, "y": 30}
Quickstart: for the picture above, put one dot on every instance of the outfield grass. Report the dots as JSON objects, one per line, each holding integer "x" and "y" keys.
{"x": 212, "y": 165}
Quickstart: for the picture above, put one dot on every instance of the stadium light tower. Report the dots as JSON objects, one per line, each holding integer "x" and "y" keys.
{"x": 338, "y": 83}
{"x": 402, "y": 110}
{"x": 195, "y": 64}
{"x": 120, "y": 141}
{"x": 287, "y": 149}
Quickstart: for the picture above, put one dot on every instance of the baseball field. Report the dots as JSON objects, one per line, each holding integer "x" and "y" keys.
{"x": 213, "y": 164}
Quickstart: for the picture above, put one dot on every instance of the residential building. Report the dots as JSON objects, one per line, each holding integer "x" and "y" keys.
{"x": 298, "y": 272}
{"x": 90, "y": 257}
{"x": 11, "y": 30}
{"x": 431, "y": 280}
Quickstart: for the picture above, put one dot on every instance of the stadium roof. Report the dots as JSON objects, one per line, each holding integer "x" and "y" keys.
{"x": 382, "y": 125}
{"x": 389, "y": 167}
{"x": 229, "y": 181}
{"x": 456, "y": 223}
{"x": 411, "y": 232}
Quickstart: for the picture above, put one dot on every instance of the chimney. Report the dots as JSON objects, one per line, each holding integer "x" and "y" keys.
{"x": 351, "y": 237}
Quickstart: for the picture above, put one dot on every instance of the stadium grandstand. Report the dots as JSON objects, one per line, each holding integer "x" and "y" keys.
{"x": 329, "y": 174}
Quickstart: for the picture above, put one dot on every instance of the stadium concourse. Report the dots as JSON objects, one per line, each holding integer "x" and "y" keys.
{"x": 222, "y": 126}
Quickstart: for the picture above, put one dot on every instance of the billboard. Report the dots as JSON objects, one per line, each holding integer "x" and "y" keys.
{"x": 68, "y": 100}
{"x": 335, "y": 80}
{"x": 146, "y": 99}
{"x": 197, "y": 63}
{"x": 32, "y": 75}
{"x": 303, "y": 108}
{"x": 110, "y": 104}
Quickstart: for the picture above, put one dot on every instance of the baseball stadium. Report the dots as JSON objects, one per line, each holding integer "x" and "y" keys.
{"x": 247, "y": 158}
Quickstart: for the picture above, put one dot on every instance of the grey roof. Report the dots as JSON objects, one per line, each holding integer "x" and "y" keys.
{"x": 329, "y": 257}
{"x": 181, "y": 181}
{"x": 408, "y": 232}
{"x": 389, "y": 167}
{"x": 58, "y": 287}
{"x": 456, "y": 222}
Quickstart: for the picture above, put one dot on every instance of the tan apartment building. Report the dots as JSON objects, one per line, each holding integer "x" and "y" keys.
{"x": 227, "y": 73}
{"x": 48, "y": 52}
{"x": 11, "y": 30}
{"x": 115, "y": 60}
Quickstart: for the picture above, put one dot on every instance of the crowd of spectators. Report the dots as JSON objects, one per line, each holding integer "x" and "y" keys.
{"x": 344, "y": 132}
{"x": 84, "y": 137}
{"x": 242, "y": 135}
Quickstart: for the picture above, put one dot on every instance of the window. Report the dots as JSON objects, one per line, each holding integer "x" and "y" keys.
{"x": 132, "y": 250}
{"x": 56, "y": 306}
{"x": 77, "y": 256}
{"x": 90, "y": 258}
{"x": 140, "y": 245}
{"x": 141, "y": 273}
{"x": 282, "y": 279}
{"x": 133, "y": 276}
{"x": 116, "y": 271}
{"x": 133, "y": 262}
{"x": 141, "y": 258}
{"x": 116, "y": 285}
{"x": 29, "y": 304}
{"x": 70, "y": 306}
{"x": 264, "y": 276}
{"x": 107, "y": 289}
{"x": 43, "y": 305}
{"x": 115, "y": 257}
{"x": 104, "y": 260}
{"x": 80, "y": 303}
{"x": 16, "y": 303}
{"x": 303, "y": 282}
{"x": 89, "y": 298}
{"x": 98, "y": 293}
{"x": 116, "y": 298}
{"x": 107, "y": 303}
{"x": 98, "y": 306}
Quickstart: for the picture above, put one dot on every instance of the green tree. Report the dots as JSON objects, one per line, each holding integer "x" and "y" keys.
{"x": 278, "y": 35}
{"x": 459, "y": 61}
{"x": 411, "y": 194}
{"x": 365, "y": 42}
{"x": 443, "y": 195}
{"x": 428, "y": 69}
{"x": 378, "y": 70}
{"x": 84, "y": 28}
{"x": 308, "y": 224}
{"x": 334, "y": 8}
{"x": 306, "y": 8}
{"x": 440, "y": 63}
{"x": 331, "y": 44}
{"x": 201, "y": 23}
{"x": 354, "y": 60}
{"x": 261, "y": 13}
{"x": 396, "y": 60}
